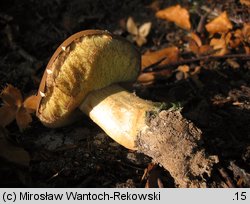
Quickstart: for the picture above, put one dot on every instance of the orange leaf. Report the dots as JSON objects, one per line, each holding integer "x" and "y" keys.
{"x": 196, "y": 70}
{"x": 195, "y": 45}
{"x": 245, "y": 2}
{"x": 246, "y": 32}
{"x": 196, "y": 38}
{"x": 183, "y": 68}
{"x": 146, "y": 78}
{"x": 176, "y": 14}
{"x": 247, "y": 49}
{"x": 221, "y": 24}
{"x": 23, "y": 119}
{"x": 12, "y": 96}
{"x": 237, "y": 39}
{"x": 205, "y": 49}
{"x": 194, "y": 42}
{"x": 7, "y": 115}
{"x": 221, "y": 44}
{"x": 31, "y": 103}
{"x": 149, "y": 58}
{"x": 170, "y": 53}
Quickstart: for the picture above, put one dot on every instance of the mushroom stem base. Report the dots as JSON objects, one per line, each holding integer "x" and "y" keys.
{"x": 176, "y": 144}
{"x": 165, "y": 135}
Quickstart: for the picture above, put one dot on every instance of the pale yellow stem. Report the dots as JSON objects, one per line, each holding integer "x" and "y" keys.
{"x": 122, "y": 115}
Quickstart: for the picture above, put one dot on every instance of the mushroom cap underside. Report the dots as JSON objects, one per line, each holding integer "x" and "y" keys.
{"x": 86, "y": 61}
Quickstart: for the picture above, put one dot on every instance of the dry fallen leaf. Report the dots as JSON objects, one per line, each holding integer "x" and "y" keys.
{"x": 247, "y": 50}
{"x": 184, "y": 69}
{"x": 155, "y": 5}
{"x": 242, "y": 36}
{"x": 138, "y": 34}
{"x": 30, "y": 103}
{"x": 195, "y": 45}
{"x": 220, "y": 45}
{"x": 12, "y": 96}
{"x": 221, "y": 24}
{"x": 13, "y": 108}
{"x": 236, "y": 39}
{"x": 246, "y": 33}
{"x": 233, "y": 63}
{"x": 23, "y": 118}
{"x": 153, "y": 176}
{"x": 176, "y": 14}
{"x": 245, "y": 2}
{"x": 171, "y": 54}
{"x": 166, "y": 56}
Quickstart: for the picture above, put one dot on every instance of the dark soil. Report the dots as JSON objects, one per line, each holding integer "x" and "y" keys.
{"x": 81, "y": 155}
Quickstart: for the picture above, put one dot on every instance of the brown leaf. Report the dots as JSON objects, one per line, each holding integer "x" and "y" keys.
{"x": 171, "y": 54}
{"x": 15, "y": 108}
{"x": 232, "y": 63}
{"x": 205, "y": 49}
{"x": 246, "y": 32}
{"x": 12, "y": 96}
{"x": 184, "y": 69}
{"x": 195, "y": 45}
{"x": 247, "y": 50}
{"x": 236, "y": 39}
{"x": 23, "y": 119}
{"x": 196, "y": 38}
{"x": 221, "y": 44}
{"x": 176, "y": 14}
{"x": 7, "y": 115}
{"x": 31, "y": 103}
{"x": 146, "y": 78}
{"x": 155, "y": 5}
{"x": 154, "y": 177}
{"x": 245, "y": 2}
{"x": 221, "y": 24}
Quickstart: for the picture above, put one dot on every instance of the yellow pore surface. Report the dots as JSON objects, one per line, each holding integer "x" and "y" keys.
{"x": 90, "y": 63}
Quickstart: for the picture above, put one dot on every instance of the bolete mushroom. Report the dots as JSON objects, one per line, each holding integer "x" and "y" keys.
{"x": 83, "y": 74}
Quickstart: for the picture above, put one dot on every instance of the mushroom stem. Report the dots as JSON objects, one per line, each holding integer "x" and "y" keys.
{"x": 166, "y": 135}
{"x": 119, "y": 113}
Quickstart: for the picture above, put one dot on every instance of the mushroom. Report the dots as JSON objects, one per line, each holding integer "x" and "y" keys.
{"x": 83, "y": 74}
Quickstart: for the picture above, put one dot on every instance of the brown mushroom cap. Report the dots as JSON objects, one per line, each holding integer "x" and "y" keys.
{"x": 86, "y": 61}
